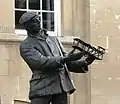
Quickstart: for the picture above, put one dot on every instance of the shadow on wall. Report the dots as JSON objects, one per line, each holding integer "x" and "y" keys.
{"x": 20, "y": 102}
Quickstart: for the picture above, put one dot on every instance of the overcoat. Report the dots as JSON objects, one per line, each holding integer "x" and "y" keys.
{"x": 49, "y": 76}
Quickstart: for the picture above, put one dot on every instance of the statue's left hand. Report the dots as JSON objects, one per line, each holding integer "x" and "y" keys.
{"x": 90, "y": 59}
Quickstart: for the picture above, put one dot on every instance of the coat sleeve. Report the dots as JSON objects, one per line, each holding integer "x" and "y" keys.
{"x": 36, "y": 60}
{"x": 78, "y": 66}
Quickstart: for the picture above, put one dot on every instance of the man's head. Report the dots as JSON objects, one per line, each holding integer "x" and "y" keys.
{"x": 31, "y": 22}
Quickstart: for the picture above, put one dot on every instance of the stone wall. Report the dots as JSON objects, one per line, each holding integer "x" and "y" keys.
{"x": 14, "y": 74}
{"x": 105, "y": 31}
{"x": 99, "y": 86}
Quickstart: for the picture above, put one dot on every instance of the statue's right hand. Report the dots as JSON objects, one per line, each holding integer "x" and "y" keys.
{"x": 73, "y": 56}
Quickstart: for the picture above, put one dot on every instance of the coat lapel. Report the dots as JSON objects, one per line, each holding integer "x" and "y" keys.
{"x": 52, "y": 46}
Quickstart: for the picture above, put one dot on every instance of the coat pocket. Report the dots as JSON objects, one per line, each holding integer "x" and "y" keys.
{"x": 37, "y": 81}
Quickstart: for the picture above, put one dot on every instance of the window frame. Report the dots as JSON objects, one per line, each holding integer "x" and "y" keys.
{"x": 57, "y": 18}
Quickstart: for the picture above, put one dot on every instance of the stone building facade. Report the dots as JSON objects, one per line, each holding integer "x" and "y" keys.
{"x": 94, "y": 21}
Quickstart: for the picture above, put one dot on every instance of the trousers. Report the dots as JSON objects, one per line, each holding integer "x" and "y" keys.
{"x": 51, "y": 99}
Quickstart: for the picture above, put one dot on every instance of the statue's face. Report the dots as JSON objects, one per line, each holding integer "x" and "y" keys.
{"x": 33, "y": 26}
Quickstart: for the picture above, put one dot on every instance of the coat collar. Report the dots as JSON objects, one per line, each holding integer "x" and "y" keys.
{"x": 42, "y": 35}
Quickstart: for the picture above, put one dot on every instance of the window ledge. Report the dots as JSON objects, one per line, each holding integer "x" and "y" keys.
{"x": 66, "y": 40}
{"x": 12, "y": 37}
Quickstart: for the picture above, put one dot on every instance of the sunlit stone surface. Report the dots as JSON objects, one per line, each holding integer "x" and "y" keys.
{"x": 105, "y": 31}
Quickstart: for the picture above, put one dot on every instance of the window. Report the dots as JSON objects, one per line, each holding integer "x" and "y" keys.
{"x": 49, "y": 11}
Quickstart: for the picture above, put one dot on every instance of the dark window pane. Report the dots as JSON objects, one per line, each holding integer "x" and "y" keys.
{"x": 17, "y": 16}
{"x": 48, "y": 21}
{"x": 48, "y": 5}
{"x": 34, "y": 4}
{"x": 21, "y": 4}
